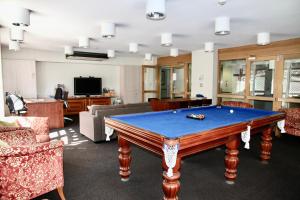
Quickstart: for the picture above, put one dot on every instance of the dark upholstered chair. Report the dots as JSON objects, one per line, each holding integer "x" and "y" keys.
{"x": 237, "y": 104}
{"x": 292, "y": 121}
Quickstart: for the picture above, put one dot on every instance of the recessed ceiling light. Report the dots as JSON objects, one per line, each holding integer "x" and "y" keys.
{"x": 84, "y": 42}
{"x": 16, "y": 34}
{"x": 14, "y": 45}
{"x": 208, "y": 46}
{"x": 263, "y": 38}
{"x": 221, "y": 2}
{"x": 133, "y": 47}
{"x": 222, "y": 25}
{"x": 156, "y": 9}
{"x": 20, "y": 16}
{"x": 108, "y": 30}
{"x": 148, "y": 56}
{"x": 69, "y": 50}
{"x": 111, "y": 53}
{"x": 174, "y": 52}
{"x": 166, "y": 39}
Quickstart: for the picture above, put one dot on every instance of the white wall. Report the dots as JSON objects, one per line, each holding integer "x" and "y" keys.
{"x": 49, "y": 74}
{"x": 2, "y": 106}
{"x": 19, "y": 77}
{"x": 203, "y": 74}
{"x": 52, "y": 68}
{"x": 131, "y": 84}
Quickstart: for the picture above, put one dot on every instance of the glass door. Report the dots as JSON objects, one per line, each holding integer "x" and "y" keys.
{"x": 149, "y": 81}
{"x": 262, "y": 73}
{"x": 178, "y": 82}
{"x": 165, "y": 82}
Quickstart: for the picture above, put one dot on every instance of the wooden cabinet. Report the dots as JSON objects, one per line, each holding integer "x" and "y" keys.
{"x": 53, "y": 109}
{"x": 78, "y": 104}
{"x": 170, "y": 104}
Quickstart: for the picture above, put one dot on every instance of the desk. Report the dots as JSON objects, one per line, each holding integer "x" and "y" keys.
{"x": 51, "y": 108}
{"x": 171, "y": 104}
{"x": 173, "y": 136}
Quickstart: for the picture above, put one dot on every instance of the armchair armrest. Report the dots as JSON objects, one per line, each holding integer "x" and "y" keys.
{"x": 23, "y": 150}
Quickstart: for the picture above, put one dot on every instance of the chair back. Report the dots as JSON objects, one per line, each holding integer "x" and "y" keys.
{"x": 15, "y": 104}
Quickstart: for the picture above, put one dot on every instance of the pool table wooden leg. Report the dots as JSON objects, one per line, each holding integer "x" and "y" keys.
{"x": 231, "y": 159}
{"x": 266, "y": 145}
{"x": 171, "y": 185}
{"x": 124, "y": 158}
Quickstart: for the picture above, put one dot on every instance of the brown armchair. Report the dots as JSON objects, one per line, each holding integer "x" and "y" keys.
{"x": 292, "y": 121}
{"x": 28, "y": 168}
{"x": 237, "y": 104}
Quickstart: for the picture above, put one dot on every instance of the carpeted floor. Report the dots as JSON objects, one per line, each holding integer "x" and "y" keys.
{"x": 91, "y": 172}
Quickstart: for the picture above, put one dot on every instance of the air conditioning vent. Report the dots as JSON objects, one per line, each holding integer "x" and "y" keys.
{"x": 82, "y": 55}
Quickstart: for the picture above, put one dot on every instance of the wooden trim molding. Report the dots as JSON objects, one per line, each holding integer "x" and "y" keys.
{"x": 233, "y": 96}
{"x": 172, "y": 61}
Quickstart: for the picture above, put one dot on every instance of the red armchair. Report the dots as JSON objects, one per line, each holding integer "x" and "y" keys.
{"x": 237, "y": 104}
{"x": 40, "y": 126}
{"x": 292, "y": 121}
{"x": 28, "y": 168}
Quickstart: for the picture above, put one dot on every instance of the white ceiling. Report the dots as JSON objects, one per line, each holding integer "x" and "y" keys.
{"x": 55, "y": 23}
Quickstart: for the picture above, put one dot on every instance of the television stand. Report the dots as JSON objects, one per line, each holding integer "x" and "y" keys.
{"x": 78, "y": 104}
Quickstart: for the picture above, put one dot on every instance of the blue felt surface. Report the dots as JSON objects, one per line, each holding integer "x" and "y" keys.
{"x": 172, "y": 125}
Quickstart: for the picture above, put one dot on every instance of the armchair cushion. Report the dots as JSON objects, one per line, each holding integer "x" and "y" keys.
{"x": 9, "y": 124}
{"x": 18, "y": 137}
{"x": 40, "y": 126}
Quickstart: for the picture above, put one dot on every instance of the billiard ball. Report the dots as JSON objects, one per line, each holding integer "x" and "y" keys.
{"x": 231, "y": 111}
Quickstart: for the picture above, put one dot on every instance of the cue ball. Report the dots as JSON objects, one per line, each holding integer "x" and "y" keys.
{"x": 231, "y": 111}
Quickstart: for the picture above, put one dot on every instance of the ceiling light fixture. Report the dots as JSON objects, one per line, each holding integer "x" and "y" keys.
{"x": 69, "y": 50}
{"x": 16, "y": 34}
{"x": 221, "y": 2}
{"x": 20, "y": 16}
{"x": 208, "y": 46}
{"x": 148, "y": 56}
{"x": 166, "y": 39}
{"x": 111, "y": 53}
{"x": 174, "y": 52}
{"x": 108, "y": 30}
{"x": 156, "y": 9}
{"x": 84, "y": 42}
{"x": 263, "y": 38}
{"x": 133, "y": 47}
{"x": 222, "y": 25}
{"x": 14, "y": 45}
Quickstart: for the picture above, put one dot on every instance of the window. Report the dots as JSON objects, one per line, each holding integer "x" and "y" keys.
{"x": 291, "y": 79}
{"x": 262, "y": 76}
{"x": 233, "y": 77}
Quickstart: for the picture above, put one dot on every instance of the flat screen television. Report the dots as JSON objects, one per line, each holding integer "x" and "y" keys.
{"x": 87, "y": 86}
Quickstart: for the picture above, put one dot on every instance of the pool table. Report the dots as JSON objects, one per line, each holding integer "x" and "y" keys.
{"x": 173, "y": 136}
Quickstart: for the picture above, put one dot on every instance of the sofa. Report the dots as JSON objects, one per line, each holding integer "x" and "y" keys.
{"x": 91, "y": 123}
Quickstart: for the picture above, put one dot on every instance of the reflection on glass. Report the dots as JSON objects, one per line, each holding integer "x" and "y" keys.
{"x": 262, "y": 76}
{"x": 263, "y": 105}
{"x": 148, "y": 96}
{"x": 178, "y": 81}
{"x": 190, "y": 77}
{"x": 291, "y": 78}
{"x": 165, "y": 75}
{"x": 233, "y": 76}
{"x": 149, "y": 78}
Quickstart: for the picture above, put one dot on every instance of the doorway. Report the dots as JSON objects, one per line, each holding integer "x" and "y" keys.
{"x": 165, "y": 86}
